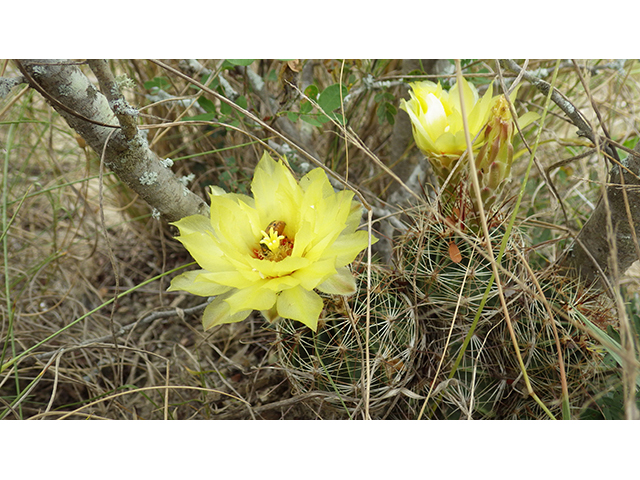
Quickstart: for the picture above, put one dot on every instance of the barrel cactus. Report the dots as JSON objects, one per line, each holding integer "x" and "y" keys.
{"x": 333, "y": 360}
{"x": 447, "y": 263}
{"x": 577, "y": 310}
{"x": 472, "y": 369}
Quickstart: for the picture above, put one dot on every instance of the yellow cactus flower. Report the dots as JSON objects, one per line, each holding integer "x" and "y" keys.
{"x": 436, "y": 118}
{"x": 271, "y": 251}
{"x": 438, "y": 130}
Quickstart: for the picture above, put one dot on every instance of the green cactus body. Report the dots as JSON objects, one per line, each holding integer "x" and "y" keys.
{"x": 571, "y": 303}
{"x": 437, "y": 331}
{"x": 449, "y": 270}
{"x": 449, "y": 284}
{"x": 333, "y": 359}
{"x": 488, "y": 381}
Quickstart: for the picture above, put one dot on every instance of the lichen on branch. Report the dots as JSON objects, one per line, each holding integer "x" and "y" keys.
{"x": 113, "y": 136}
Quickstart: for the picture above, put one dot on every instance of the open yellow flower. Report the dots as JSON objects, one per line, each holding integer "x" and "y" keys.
{"x": 271, "y": 251}
{"x": 436, "y": 118}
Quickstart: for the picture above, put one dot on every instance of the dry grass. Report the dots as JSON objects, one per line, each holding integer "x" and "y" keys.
{"x": 75, "y": 239}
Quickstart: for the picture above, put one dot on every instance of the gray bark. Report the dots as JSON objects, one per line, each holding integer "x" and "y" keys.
{"x": 593, "y": 249}
{"x": 608, "y": 243}
{"x": 91, "y": 115}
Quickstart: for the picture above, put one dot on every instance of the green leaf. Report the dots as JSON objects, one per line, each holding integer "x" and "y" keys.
{"x": 159, "y": 82}
{"x": 337, "y": 117}
{"x": 483, "y": 80}
{"x": 242, "y": 63}
{"x": 292, "y": 116}
{"x": 204, "y": 117}
{"x": 305, "y": 106}
{"x": 608, "y": 343}
{"x": 228, "y": 110}
{"x": 207, "y": 104}
{"x": 631, "y": 142}
{"x": 384, "y": 96}
{"x": 330, "y": 98}
{"x": 311, "y": 91}
{"x": 225, "y": 109}
{"x": 315, "y": 120}
{"x": 386, "y": 112}
{"x": 213, "y": 85}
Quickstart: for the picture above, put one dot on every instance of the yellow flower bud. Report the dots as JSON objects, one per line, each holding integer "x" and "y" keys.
{"x": 438, "y": 129}
{"x": 436, "y": 117}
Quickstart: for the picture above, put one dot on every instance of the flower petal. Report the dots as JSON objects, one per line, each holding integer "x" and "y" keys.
{"x": 276, "y": 192}
{"x": 435, "y": 118}
{"x": 449, "y": 143}
{"x": 320, "y": 224}
{"x": 235, "y": 278}
{"x": 196, "y": 283}
{"x": 527, "y": 119}
{"x": 237, "y": 225}
{"x": 342, "y": 283}
{"x": 316, "y": 273}
{"x": 217, "y": 313}
{"x": 193, "y": 224}
{"x": 254, "y": 297}
{"x": 422, "y": 138}
{"x": 347, "y": 247}
{"x": 301, "y": 305}
{"x": 282, "y": 283}
{"x": 270, "y": 315}
{"x": 205, "y": 250}
{"x": 469, "y": 94}
{"x": 267, "y": 269}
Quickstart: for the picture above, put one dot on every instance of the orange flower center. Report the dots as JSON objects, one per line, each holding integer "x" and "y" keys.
{"x": 274, "y": 245}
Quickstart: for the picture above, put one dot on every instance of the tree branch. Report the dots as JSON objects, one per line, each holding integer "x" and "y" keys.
{"x": 623, "y": 195}
{"x": 126, "y": 151}
{"x": 124, "y": 112}
{"x": 591, "y": 253}
{"x": 584, "y": 129}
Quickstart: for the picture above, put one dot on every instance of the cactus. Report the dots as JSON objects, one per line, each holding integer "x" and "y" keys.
{"x": 450, "y": 269}
{"x": 421, "y": 317}
{"x": 449, "y": 284}
{"x": 584, "y": 358}
{"x": 333, "y": 359}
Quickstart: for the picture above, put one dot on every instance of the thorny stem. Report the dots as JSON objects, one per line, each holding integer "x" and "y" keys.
{"x": 566, "y": 414}
{"x": 446, "y": 346}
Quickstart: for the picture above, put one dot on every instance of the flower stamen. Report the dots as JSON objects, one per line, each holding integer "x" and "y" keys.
{"x": 274, "y": 245}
